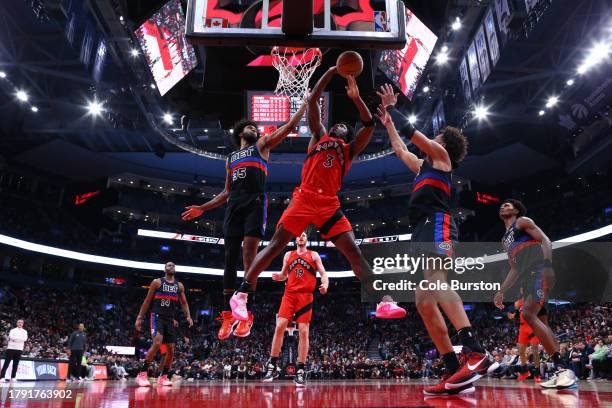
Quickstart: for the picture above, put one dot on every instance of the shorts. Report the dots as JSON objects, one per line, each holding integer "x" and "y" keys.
{"x": 296, "y": 307}
{"x": 310, "y": 207}
{"x": 165, "y": 326}
{"x": 526, "y": 335}
{"x": 530, "y": 281}
{"x": 435, "y": 234}
{"x": 246, "y": 216}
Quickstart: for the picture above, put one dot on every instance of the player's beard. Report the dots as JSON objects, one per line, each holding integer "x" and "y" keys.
{"x": 249, "y": 137}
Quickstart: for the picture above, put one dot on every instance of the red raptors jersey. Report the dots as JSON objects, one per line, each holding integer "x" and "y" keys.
{"x": 325, "y": 166}
{"x": 302, "y": 272}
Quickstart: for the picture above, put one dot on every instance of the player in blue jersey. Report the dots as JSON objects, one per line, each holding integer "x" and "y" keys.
{"x": 530, "y": 256}
{"x": 246, "y": 212}
{"x": 165, "y": 294}
{"x": 435, "y": 235}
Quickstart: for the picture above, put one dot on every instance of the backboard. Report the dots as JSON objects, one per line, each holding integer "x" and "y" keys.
{"x": 351, "y": 24}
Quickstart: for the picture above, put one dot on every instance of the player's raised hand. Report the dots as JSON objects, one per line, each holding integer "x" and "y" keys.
{"x": 278, "y": 277}
{"x": 383, "y": 115}
{"x": 193, "y": 211}
{"x": 352, "y": 90}
{"x": 499, "y": 300}
{"x": 387, "y": 96}
{"x": 323, "y": 288}
{"x": 189, "y": 321}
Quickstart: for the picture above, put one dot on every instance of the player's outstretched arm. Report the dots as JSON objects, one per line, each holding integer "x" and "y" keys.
{"x": 314, "y": 113}
{"x": 184, "y": 304}
{"x": 284, "y": 273}
{"x": 435, "y": 151}
{"x": 195, "y": 211}
{"x": 365, "y": 133}
{"x": 155, "y": 284}
{"x": 322, "y": 272}
{"x": 399, "y": 147}
{"x": 266, "y": 143}
{"x": 526, "y": 224}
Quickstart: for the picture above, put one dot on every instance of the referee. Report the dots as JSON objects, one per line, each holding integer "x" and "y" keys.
{"x": 16, "y": 340}
{"x": 77, "y": 343}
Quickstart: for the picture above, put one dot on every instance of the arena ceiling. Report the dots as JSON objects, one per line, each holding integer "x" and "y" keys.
{"x": 61, "y": 138}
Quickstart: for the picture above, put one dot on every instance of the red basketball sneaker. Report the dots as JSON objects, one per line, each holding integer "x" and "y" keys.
{"x": 442, "y": 389}
{"x": 523, "y": 376}
{"x": 227, "y": 325}
{"x": 476, "y": 366}
{"x": 244, "y": 326}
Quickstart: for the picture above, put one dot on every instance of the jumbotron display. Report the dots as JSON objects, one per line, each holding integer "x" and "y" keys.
{"x": 162, "y": 40}
{"x": 272, "y": 111}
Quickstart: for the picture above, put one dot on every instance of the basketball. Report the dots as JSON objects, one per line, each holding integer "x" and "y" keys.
{"x": 349, "y": 63}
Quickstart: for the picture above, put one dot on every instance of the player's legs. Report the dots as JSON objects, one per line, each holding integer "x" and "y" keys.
{"x": 541, "y": 330}
{"x": 233, "y": 246}
{"x": 142, "y": 379}
{"x": 249, "y": 251}
{"x": 279, "y": 335}
{"x": 165, "y": 365}
{"x": 304, "y": 344}
{"x": 157, "y": 341}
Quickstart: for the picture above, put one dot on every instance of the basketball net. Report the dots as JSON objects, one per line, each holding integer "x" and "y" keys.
{"x": 295, "y": 67}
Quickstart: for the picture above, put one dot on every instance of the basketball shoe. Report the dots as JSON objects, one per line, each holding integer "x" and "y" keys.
{"x": 300, "y": 378}
{"x": 561, "y": 379}
{"x": 387, "y": 309}
{"x": 142, "y": 379}
{"x": 244, "y": 326}
{"x": 442, "y": 389}
{"x": 238, "y": 303}
{"x": 271, "y": 372}
{"x": 227, "y": 326}
{"x": 475, "y": 366}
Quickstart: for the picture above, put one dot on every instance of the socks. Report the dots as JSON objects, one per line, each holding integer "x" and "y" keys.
{"x": 274, "y": 360}
{"x": 300, "y": 366}
{"x": 451, "y": 363}
{"x": 246, "y": 287}
{"x": 466, "y": 336}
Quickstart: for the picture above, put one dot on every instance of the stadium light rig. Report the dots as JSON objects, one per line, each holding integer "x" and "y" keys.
{"x": 481, "y": 112}
{"x": 456, "y": 24}
{"x": 597, "y": 54}
{"x": 552, "y": 101}
{"x": 95, "y": 108}
{"x": 21, "y": 95}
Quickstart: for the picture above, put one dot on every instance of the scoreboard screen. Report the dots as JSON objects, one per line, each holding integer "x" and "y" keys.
{"x": 271, "y": 111}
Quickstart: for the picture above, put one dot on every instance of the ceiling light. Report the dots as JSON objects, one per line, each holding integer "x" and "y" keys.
{"x": 34, "y": 109}
{"x": 134, "y": 52}
{"x": 541, "y": 113}
{"x": 425, "y": 89}
{"x": 21, "y": 95}
{"x": 442, "y": 58}
{"x": 95, "y": 108}
{"x": 552, "y": 101}
{"x": 481, "y": 112}
{"x": 456, "y": 24}
{"x": 570, "y": 82}
{"x": 2, "y": 74}
{"x": 412, "y": 119}
{"x": 168, "y": 118}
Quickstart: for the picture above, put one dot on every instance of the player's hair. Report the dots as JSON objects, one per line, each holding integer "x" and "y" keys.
{"x": 455, "y": 143}
{"x": 350, "y": 131}
{"x": 238, "y": 128}
{"x": 522, "y": 210}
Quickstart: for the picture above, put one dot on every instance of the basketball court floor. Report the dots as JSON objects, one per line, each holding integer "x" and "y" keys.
{"x": 238, "y": 393}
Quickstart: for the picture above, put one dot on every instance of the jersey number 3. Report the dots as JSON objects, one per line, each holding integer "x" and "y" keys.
{"x": 329, "y": 161}
{"x": 239, "y": 173}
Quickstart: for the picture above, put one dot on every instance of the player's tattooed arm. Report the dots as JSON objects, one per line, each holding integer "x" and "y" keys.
{"x": 399, "y": 147}
{"x": 195, "y": 211}
{"x": 324, "y": 278}
{"x": 266, "y": 143}
{"x": 155, "y": 284}
{"x": 363, "y": 136}
{"x": 314, "y": 112}
{"x": 284, "y": 273}
{"x": 184, "y": 304}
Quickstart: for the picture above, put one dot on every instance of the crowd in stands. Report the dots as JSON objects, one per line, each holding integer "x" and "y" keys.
{"x": 345, "y": 341}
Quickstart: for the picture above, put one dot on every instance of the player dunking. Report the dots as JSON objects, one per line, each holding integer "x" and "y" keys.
{"x": 315, "y": 201}
{"x": 165, "y": 294}
{"x": 435, "y": 230}
{"x": 245, "y": 215}
{"x": 526, "y": 338}
{"x": 530, "y": 256}
{"x": 300, "y": 271}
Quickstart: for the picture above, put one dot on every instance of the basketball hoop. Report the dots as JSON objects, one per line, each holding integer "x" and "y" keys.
{"x": 295, "y": 67}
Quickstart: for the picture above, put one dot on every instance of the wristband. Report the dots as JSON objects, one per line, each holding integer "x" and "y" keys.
{"x": 547, "y": 263}
{"x": 369, "y": 123}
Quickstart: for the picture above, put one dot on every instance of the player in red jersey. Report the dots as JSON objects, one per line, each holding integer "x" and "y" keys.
{"x": 300, "y": 271}
{"x": 527, "y": 337}
{"x": 315, "y": 201}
